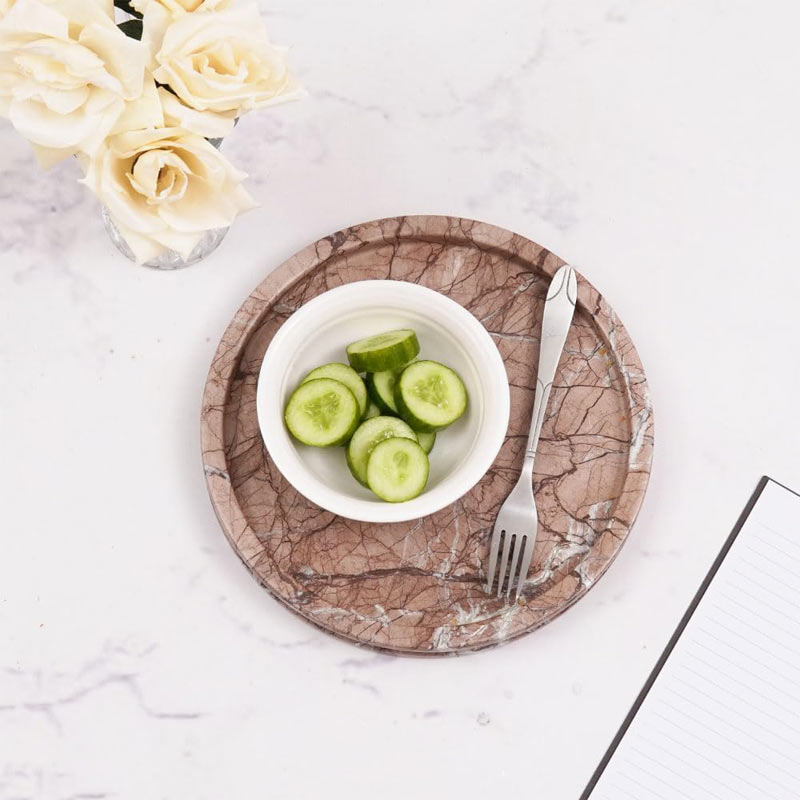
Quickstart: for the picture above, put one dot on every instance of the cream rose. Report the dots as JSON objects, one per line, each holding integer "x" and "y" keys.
{"x": 5, "y": 5}
{"x": 219, "y": 64}
{"x": 179, "y": 7}
{"x": 66, "y": 73}
{"x": 164, "y": 188}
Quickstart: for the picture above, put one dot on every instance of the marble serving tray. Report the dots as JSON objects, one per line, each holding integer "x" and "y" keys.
{"x": 417, "y": 587}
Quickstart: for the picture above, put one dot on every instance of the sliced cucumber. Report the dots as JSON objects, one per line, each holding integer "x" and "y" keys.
{"x": 426, "y": 440}
{"x": 344, "y": 374}
{"x": 390, "y": 350}
{"x": 397, "y": 470}
{"x": 322, "y": 413}
{"x": 369, "y": 434}
{"x": 372, "y": 411}
{"x": 380, "y": 386}
{"x": 430, "y": 396}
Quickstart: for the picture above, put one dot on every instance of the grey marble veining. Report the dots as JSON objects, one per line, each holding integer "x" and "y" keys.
{"x": 651, "y": 144}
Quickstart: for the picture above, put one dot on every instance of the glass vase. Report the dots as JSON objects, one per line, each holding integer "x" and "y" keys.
{"x": 169, "y": 259}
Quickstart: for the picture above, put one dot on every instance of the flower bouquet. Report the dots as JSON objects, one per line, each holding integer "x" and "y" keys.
{"x": 140, "y": 94}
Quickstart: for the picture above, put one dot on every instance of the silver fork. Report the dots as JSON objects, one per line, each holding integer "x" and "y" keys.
{"x": 517, "y": 523}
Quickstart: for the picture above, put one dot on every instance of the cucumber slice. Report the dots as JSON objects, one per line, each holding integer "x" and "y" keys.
{"x": 322, "y": 413}
{"x": 344, "y": 374}
{"x": 380, "y": 386}
{"x": 372, "y": 411}
{"x": 397, "y": 470}
{"x": 426, "y": 440}
{"x": 368, "y": 435}
{"x": 390, "y": 350}
{"x": 430, "y": 396}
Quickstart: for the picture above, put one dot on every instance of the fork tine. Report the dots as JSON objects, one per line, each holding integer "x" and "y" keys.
{"x": 504, "y": 562}
{"x": 518, "y": 543}
{"x": 494, "y": 549}
{"x": 525, "y": 564}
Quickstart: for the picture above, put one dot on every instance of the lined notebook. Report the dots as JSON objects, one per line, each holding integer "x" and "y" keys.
{"x": 719, "y": 717}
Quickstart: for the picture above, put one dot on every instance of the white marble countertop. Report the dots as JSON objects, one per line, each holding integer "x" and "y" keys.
{"x": 654, "y": 145}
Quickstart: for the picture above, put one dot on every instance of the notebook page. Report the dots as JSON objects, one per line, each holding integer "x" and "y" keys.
{"x": 722, "y": 719}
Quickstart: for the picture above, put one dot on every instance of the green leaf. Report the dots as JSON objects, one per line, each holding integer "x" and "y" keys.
{"x": 132, "y": 28}
{"x": 125, "y": 5}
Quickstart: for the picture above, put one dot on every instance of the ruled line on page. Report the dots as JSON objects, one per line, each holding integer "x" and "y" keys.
{"x": 791, "y": 663}
{"x": 755, "y": 628}
{"x": 756, "y": 552}
{"x": 677, "y": 774}
{"x": 652, "y": 776}
{"x": 642, "y": 786}
{"x": 773, "y": 546}
{"x": 778, "y": 534}
{"x": 626, "y": 792}
{"x": 748, "y": 720}
{"x": 743, "y": 653}
{"x": 761, "y": 585}
{"x": 750, "y": 610}
{"x": 750, "y": 672}
{"x": 718, "y": 734}
{"x": 721, "y": 718}
{"x": 694, "y": 766}
{"x": 759, "y": 629}
{"x": 743, "y": 591}
{"x": 733, "y": 694}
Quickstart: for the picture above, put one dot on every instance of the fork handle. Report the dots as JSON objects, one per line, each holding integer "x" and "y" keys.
{"x": 559, "y": 308}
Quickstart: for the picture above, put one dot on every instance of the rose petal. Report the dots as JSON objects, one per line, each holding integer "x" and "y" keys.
{"x": 143, "y": 112}
{"x": 66, "y": 72}
{"x": 182, "y": 243}
{"x": 49, "y": 156}
{"x": 222, "y": 63}
{"x": 144, "y": 248}
{"x": 35, "y": 17}
{"x": 205, "y": 123}
{"x": 88, "y": 12}
{"x": 167, "y": 186}
{"x": 123, "y": 57}
{"x": 34, "y": 120}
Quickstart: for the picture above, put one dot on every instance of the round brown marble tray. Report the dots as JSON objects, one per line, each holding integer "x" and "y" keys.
{"x": 416, "y": 587}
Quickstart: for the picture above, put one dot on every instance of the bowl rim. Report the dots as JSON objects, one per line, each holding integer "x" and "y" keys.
{"x": 486, "y": 360}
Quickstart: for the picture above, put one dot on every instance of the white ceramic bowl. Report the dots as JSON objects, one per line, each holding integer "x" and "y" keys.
{"x": 319, "y": 332}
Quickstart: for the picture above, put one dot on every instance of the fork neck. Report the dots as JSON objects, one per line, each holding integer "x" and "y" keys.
{"x": 527, "y": 466}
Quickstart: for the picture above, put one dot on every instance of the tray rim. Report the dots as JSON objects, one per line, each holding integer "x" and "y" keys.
{"x": 249, "y": 316}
